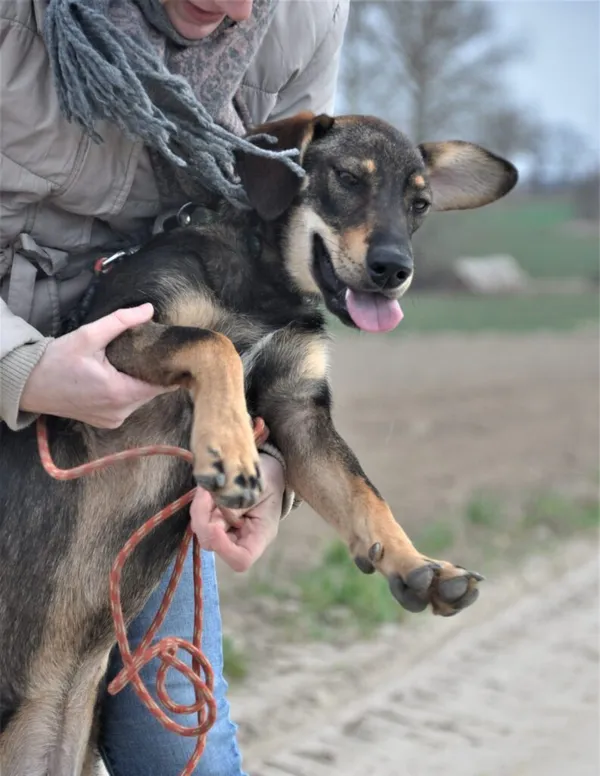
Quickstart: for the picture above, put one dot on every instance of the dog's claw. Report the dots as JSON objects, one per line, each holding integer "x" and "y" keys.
{"x": 210, "y": 482}
{"x": 476, "y": 576}
{"x": 364, "y": 565}
{"x": 375, "y": 552}
{"x": 243, "y": 500}
{"x": 469, "y": 598}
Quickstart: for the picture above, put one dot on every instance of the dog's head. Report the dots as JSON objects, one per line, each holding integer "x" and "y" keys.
{"x": 347, "y": 225}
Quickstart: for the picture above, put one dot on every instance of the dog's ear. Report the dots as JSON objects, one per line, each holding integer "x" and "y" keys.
{"x": 464, "y": 175}
{"x": 270, "y": 185}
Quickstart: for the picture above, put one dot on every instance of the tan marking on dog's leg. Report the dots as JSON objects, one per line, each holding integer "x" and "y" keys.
{"x": 225, "y": 454}
{"x": 358, "y": 514}
{"x": 324, "y": 472}
{"x": 73, "y": 743}
{"x": 365, "y": 522}
{"x": 28, "y": 743}
{"x": 208, "y": 365}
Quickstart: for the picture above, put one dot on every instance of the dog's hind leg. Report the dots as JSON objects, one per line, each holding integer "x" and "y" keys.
{"x": 208, "y": 366}
{"x": 72, "y": 754}
{"x": 288, "y": 387}
{"x": 49, "y": 734}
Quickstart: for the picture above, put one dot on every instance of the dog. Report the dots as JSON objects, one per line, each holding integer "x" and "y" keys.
{"x": 240, "y": 325}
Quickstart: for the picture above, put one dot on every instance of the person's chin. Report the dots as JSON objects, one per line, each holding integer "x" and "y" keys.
{"x": 194, "y": 31}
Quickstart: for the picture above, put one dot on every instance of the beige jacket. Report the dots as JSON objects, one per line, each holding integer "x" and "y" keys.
{"x": 62, "y": 195}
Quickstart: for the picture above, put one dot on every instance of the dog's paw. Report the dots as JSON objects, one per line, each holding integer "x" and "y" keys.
{"x": 448, "y": 588}
{"x": 422, "y": 581}
{"x": 227, "y": 465}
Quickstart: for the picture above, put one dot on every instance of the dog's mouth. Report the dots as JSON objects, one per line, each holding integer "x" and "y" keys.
{"x": 369, "y": 311}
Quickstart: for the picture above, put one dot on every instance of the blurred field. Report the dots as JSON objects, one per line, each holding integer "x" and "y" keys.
{"x": 536, "y": 230}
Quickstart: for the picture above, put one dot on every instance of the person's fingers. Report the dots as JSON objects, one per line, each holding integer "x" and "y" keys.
{"x": 224, "y": 542}
{"x": 237, "y": 547}
{"x": 99, "y": 333}
{"x": 200, "y": 512}
{"x": 253, "y": 542}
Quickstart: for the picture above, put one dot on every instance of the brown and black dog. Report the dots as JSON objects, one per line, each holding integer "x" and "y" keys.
{"x": 239, "y": 325}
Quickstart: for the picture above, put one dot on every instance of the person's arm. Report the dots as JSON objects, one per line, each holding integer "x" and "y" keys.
{"x": 21, "y": 348}
{"x": 314, "y": 87}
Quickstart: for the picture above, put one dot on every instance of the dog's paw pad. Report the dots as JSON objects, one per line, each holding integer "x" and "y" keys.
{"x": 214, "y": 479}
{"x": 235, "y": 482}
{"x": 455, "y": 590}
{"x": 450, "y": 590}
{"x": 407, "y": 598}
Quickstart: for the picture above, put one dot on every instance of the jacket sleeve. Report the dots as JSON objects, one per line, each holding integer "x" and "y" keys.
{"x": 314, "y": 87}
{"x": 21, "y": 347}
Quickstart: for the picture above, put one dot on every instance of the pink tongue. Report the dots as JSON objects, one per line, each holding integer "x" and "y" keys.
{"x": 373, "y": 312}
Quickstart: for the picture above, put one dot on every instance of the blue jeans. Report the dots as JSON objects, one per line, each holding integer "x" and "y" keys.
{"x": 133, "y": 742}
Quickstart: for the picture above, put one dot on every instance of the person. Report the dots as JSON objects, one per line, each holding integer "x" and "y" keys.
{"x": 114, "y": 113}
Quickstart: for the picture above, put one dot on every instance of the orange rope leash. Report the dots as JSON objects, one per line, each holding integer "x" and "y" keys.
{"x": 166, "y": 649}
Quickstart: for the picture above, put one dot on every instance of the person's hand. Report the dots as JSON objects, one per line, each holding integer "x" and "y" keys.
{"x": 239, "y": 538}
{"x": 74, "y": 379}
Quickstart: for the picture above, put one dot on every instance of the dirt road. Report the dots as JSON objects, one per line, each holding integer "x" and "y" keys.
{"x": 508, "y": 688}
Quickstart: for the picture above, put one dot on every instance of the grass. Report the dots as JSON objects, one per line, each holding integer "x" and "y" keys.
{"x": 337, "y": 586}
{"x": 484, "y": 510}
{"x": 435, "y": 538}
{"x": 530, "y": 229}
{"x": 550, "y": 312}
{"x": 334, "y": 599}
{"x": 235, "y": 665}
{"x": 560, "y": 516}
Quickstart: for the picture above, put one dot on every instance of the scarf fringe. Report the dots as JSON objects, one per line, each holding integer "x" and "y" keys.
{"x": 100, "y": 73}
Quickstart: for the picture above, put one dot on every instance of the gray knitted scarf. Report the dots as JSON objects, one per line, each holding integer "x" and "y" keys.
{"x": 124, "y": 62}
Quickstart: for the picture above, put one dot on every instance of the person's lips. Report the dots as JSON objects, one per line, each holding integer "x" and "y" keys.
{"x": 197, "y": 15}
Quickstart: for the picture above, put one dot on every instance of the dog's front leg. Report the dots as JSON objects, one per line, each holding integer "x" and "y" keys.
{"x": 206, "y": 364}
{"x": 288, "y": 387}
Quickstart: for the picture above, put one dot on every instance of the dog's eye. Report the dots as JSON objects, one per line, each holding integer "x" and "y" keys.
{"x": 347, "y": 178}
{"x": 420, "y": 206}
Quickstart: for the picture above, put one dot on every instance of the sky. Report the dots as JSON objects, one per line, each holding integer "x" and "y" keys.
{"x": 559, "y": 74}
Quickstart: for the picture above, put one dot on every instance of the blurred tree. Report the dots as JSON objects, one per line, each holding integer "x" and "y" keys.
{"x": 586, "y": 199}
{"x": 510, "y": 131}
{"x": 432, "y": 67}
{"x": 359, "y": 59}
{"x": 567, "y": 153}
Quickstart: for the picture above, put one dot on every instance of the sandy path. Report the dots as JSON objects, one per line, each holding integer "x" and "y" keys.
{"x": 508, "y": 688}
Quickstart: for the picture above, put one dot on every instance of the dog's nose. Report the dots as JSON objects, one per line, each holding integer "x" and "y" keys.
{"x": 389, "y": 267}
